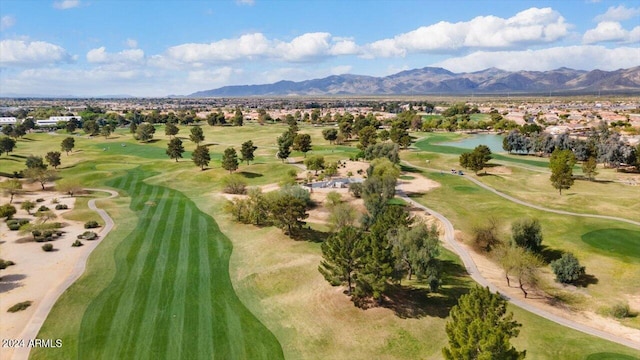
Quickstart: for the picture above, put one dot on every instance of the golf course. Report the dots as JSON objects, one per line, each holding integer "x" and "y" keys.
{"x": 178, "y": 278}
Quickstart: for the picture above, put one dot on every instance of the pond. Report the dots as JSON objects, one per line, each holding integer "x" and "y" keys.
{"x": 494, "y": 142}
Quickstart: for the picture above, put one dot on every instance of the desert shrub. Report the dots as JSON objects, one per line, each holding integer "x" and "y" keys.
{"x": 5, "y": 263}
{"x": 485, "y": 236}
{"x": 356, "y": 189}
{"x": 19, "y": 306}
{"x": 13, "y": 226}
{"x": 77, "y": 243}
{"x": 91, "y": 224}
{"x": 620, "y": 310}
{"x": 47, "y": 233}
{"x": 234, "y": 184}
{"x": 298, "y": 192}
{"x": 61, "y": 207}
{"x": 7, "y": 211}
{"x": 567, "y": 269}
{"x": 88, "y": 235}
{"x": 333, "y": 199}
{"x": 54, "y": 201}
{"x": 36, "y": 233}
{"x": 43, "y": 208}
{"x": 39, "y": 200}
{"x": 47, "y": 247}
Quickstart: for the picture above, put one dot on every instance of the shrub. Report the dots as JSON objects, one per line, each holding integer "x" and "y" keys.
{"x": 5, "y": 263}
{"x": 298, "y": 192}
{"x": 43, "y": 208}
{"x": 234, "y": 184}
{"x": 19, "y": 306}
{"x": 36, "y": 233}
{"x": 7, "y": 211}
{"x": 77, "y": 243}
{"x": 91, "y": 224}
{"x": 13, "y": 226}
{"x": 61, "y": 207}
{"x": 54, "y": 201}
{"x": 88, "y": 235}
{"x": 567, "y": 269}
{"x": 620, "y": 310}
{"x": 356, "y": 189}
{"x": 47, "y": 247}
{"x": 39, "y": 200}
{"x": 527, "y": 233}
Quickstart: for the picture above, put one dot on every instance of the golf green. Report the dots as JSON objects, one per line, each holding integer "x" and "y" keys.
{"x": 171, "y": 297}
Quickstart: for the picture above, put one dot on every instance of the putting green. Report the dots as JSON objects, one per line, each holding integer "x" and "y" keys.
{"x": 620, "y": 242}
{"x": 171, "y": 297}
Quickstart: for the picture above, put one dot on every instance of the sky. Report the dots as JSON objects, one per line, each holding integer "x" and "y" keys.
{"x": 155, "y": 48}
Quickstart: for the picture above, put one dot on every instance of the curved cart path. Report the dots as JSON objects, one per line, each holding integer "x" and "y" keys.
{"x": 35, "y": 323}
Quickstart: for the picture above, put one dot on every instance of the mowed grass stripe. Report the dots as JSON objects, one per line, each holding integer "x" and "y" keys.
{"x": 176, "y": 262}
{"x": 179, "y": 285}
{"x": 134, "y": 289}
{"x": 144, "y": 337}
{"x": 205, "y": 345}
{"x": 100, "y": 311}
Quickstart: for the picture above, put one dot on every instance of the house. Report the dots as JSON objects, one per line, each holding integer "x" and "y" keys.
{"x": 8, "y": 120}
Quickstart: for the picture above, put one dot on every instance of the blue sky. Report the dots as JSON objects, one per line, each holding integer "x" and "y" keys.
{"x": 158, "y": 48}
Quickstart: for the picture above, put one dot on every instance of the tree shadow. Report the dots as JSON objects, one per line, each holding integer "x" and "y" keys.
{"x": 548, "y": 254}
{"x": 309, "y": 234}
{"x": 11, "y": 281}
{"x": 250, "y": 175}
{"x": 409, "y": 169}
{"x": 152, "y": 141}
{"x": 585, "y": 280}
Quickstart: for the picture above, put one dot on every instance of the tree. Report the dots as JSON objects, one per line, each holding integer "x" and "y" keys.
{"x": 330, "y": 134}
{"x": 342, "y": 215}
{"x": 40, "y": 175}
{"x": 91, "y": 127}
{"x": 35, "y": 162}
{"x": 68, "y": 144}
{"x": 201, "y": 156}
{"x": 175, "y": 149}
{"x": 561, "y": 164}
{"x": 287, "y": 212}
{"x": 480, "y": 328}
{"x": 567, "y": 269}
{"x": 415, "y": 250}
{"x": 197, "y": 136}
{"x": 72, "y": 125}
{"x": 7, "y": 211}
{"x": 477, "y": 159}
{"x": 7, "y": 145}
{"x": 230, "y": 160}
{"x": 284, "y": 146}
{"x": 342, "y": 254}
{"x": 27, "y": 206}
{"x": 53, "y": 158}
{"x": 238, "y": 118}
{"x": 302, "y": 143}
{"x": 171, "y": 129}
{"x": 526, "y": 268}
{"x": 485, "y": 236}
{"x": 527, "y": 233}
{"x": 144, "y": 132}
{"x": 589, "y": 168}
{"x": 247, "y": 151}
{"x": 11, "y": 188}
{"x": 106, "y": 130}
{"x": 367, "y": 136}
{"x": 315, "y": 163}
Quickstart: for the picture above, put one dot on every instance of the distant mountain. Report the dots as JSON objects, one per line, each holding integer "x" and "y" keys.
{"x": 430, "y": 80}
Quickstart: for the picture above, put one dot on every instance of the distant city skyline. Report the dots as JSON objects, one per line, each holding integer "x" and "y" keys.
{"x": 160, "y": 48}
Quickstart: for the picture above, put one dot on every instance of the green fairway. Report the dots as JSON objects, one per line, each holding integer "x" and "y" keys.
{"x": 171, "y": 296}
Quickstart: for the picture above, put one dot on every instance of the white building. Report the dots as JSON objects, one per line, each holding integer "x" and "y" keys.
{"x": 8, "y": 120}
{"x": 54, "y": 120}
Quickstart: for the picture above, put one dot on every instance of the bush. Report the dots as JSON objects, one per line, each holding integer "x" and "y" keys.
{"x": 234, "y": 184}
{"x": 527, "y": 233}
{"x": 298, "y": 192}
{"x": 88, "y": 235}
{"x": 91, "y": 224}
{"x": 620, "y": 310}
{"x": 36, "y": 233}
{"x": 47, "y": 247}
{"x": 54, "y": 201}
{"x": 567, "y": 269}
{"x": 356, "y": 189}
{"x": 77, "y": 243}
{"x": 13, "y": 226}
{"x": 61, "y": 207}
{"x": 7, "y": 211}
{"x": 39, "y": 200}
{"x": 19, "y": 306}
{"x": 43, "y": 208}
{"x": 5, "y": 263}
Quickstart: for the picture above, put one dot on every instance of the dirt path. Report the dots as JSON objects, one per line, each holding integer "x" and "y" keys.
{"x": 35, "y": 323}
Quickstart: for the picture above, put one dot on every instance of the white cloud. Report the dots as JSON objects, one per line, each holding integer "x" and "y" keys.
{"x": 531, "y": 26}
{"x": 245, "y": 2}
{"x": 585, "y": 57}
{"x": 610, "y": 31}
{"x": 619, "y": 13}
{"x": 66, "y": 4}
{"x": 101, "y": 56}
{"x": 305, "y": 47}
{"x": 6, "y": 22}
{"x": 34, "y": 53}
{"x": 211, "y": 78}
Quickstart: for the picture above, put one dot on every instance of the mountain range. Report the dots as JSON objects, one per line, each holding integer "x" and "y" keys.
{"x": 433, "y": 80}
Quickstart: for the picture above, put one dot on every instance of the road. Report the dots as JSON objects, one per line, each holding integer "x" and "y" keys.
{"x": 35, "y": 323}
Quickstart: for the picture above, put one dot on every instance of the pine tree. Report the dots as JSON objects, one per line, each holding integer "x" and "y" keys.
{"x": 175, "y": 149}
{"x": 342, "y": 256}
{"x": 247, "y": 151}
{"x": 230, "y": 160}
{"x": 561, "y": 164}
{"x": 197, "y": 136}
{"x": 201, "y": 156}
{"x": 480, "y": 328}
